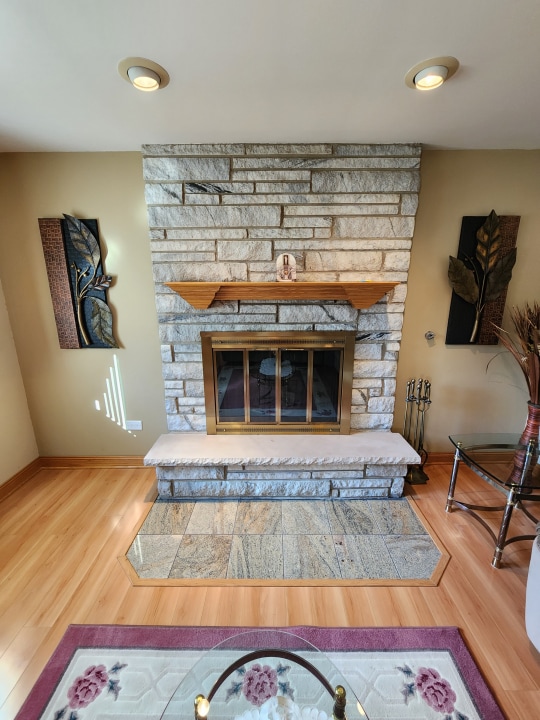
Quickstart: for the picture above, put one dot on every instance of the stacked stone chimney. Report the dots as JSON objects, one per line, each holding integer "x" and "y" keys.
{"x": 226, "y": 212}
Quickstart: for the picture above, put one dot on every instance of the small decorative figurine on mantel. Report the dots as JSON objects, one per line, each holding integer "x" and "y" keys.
{"x": 286, "y": 268}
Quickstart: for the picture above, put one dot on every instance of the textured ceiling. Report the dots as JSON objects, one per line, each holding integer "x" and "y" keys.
{"x": 268, "y": 71}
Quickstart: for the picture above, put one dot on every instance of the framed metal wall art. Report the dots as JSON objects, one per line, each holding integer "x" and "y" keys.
{"x": 77, "y": 282}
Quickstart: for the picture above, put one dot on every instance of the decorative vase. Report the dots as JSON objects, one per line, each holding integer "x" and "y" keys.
{"x": 530, "y": 432}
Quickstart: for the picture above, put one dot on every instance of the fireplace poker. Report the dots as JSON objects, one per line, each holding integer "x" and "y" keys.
{"x": 418, "y": 400}
{"x": 409, "y": 398}
{"x": 425, "y": 403}
{"x": 407, "y": 393}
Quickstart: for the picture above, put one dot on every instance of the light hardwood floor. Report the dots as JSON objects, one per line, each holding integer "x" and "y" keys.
{"x": 62, "y": 532}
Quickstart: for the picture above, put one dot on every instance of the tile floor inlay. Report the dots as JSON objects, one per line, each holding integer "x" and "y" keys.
{"x": 283, "y": 540}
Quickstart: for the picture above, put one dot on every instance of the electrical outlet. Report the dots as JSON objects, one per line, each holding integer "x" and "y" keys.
{"x": 133, "y": 424}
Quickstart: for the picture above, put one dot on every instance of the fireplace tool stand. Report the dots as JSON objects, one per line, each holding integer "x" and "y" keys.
{"x": 416, "y": 406}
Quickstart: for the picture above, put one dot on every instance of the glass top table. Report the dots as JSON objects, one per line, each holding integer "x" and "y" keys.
{"x": 500, "y": 460}
{"x": 264, "y": 674}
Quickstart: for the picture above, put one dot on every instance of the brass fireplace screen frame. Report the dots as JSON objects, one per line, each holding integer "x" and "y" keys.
{"x": 275, "y": 342}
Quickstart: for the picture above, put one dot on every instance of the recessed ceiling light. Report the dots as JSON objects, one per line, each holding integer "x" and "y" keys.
{"x": 431, "y": 74}
{"x": 143, "y": 74}
{"x": 144, "y": 78}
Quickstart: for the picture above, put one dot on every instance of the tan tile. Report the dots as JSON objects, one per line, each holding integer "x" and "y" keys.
{"x": 211, "y": 517}
{"x": 256, "y": 556}
{"x": 396, "y": 517}
{"x": 309, "y": 556}
{"x": 305, "y": 517}
{"x": 202, "y": 556}
{"x": 351, "y": 517}
{"x": 414, "y": 556}
{"x": 258, "y": 517}
{"x": 167, "y": 517}
{"x": 152, "y": 556}
{"x": 364, "y": 556}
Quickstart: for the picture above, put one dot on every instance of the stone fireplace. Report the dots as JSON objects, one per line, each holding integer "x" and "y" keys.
{"x": 223, "y": 214}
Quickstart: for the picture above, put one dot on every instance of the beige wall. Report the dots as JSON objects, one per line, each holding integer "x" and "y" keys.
{"x": 17, "y": 442}
{"x": 61, "y": 385}
{"x": 468, "y": 396}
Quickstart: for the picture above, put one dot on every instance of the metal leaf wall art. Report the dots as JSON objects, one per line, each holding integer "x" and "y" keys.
{"x": 75, "y": 270}
{"x": 480, "y": 278}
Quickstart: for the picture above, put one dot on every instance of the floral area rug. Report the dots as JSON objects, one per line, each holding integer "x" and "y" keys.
{"x": 106, "y": 672}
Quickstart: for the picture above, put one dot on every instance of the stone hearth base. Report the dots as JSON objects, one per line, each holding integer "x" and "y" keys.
{"x": 368, "y": 464}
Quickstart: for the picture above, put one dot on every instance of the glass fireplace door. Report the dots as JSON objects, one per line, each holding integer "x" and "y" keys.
{"x": 263, "y": 374}
{"x": 277, "y": 382}
{"x": 294, "y": 391}
{"x": 230, "y": 385}
{"x": 326, "y": 385}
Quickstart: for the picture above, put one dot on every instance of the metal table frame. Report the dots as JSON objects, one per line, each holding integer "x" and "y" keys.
{"x": 515, "y": 493}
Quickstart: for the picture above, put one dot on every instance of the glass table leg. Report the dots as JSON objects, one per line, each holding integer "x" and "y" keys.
{"x": 505, "y": 522}
{"x": 453, "y": 479}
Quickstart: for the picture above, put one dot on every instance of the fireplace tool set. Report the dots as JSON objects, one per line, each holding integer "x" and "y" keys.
{"x": 417, "y": 402}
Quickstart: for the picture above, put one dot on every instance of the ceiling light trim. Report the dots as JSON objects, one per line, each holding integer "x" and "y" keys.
{"x": 444, "y": 61}
{"x": 138, "y": 62}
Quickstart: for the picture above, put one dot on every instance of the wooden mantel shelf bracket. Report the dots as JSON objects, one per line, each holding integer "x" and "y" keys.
{"x": 360, "y": 295}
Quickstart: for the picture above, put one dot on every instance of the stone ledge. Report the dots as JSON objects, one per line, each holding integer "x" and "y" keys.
{"x": 278, "y": 489}
{"x": 197, "y": 449}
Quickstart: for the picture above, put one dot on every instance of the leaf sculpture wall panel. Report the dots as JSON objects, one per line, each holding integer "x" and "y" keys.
{"x": 479, "y": 277}
{"x": 77, "y": 282}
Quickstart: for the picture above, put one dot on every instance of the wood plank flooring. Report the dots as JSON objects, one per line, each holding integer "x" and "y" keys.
{"x": 61, "y": 535}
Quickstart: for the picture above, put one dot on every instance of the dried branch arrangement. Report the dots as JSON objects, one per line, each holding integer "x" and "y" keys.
{"x": 525, "y": 346}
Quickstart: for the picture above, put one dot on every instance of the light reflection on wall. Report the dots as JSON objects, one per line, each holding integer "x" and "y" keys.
{"x": 113, "y": 397}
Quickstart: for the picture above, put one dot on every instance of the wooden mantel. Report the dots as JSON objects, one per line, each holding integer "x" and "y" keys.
{"x": 361, "y": 295}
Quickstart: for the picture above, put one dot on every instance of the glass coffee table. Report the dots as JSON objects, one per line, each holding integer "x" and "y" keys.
{"x": 493, "y": 456}
{"x": 264, "y": 674}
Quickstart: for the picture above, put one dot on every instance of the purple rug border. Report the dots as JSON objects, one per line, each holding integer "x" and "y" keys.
{"x": 205, "y": 637}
